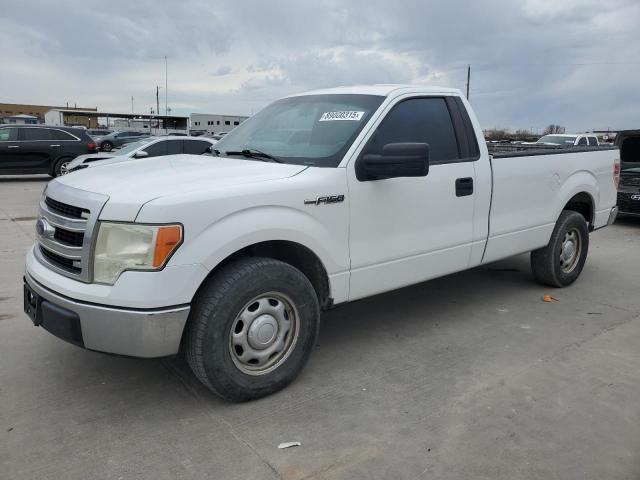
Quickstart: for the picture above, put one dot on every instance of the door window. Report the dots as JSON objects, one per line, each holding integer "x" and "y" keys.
{"x": 196, "y": 147}
{"x": 593, "y": 142}
{"x": 164, "y": 147}
{"x": 31, "y": 134}
{"x": 157, "y": 149}
{"x": 582, "y": 141}
{"x": 8, "y": 134}
{"x": 423, "y": 120}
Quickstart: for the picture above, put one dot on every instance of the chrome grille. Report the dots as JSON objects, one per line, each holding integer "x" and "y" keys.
{"x": 59, "y": 260}
{"x": 69, "y": 238}
{"x": 630, "y": 181}
{"x": 65, "y": 228}
{"x": 65, "y": 210}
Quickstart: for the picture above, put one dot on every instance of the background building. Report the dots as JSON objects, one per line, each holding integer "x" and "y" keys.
{"x": 153, "y": 124}
{"x": 215, "y": 123}
{"x": 8, "y": 110}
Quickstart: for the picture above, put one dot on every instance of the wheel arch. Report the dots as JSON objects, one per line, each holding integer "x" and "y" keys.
{"x": 582, "y": 203}
{"x": 292, "y": 253}
{"x": 579, "y": 193}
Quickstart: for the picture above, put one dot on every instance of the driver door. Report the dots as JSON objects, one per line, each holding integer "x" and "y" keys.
{"x": 407, "y": 230}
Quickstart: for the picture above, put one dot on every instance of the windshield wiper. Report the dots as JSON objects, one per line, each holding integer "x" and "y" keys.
{"x": 253, "y": 153}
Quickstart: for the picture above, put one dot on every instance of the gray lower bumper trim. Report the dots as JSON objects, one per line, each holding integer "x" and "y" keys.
{"x": 122, "y": 331}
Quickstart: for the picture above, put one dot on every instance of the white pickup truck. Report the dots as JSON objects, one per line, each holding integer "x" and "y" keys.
{"x": 319, "y": 199}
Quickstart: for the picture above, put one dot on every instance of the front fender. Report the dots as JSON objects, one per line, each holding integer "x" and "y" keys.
{"x": 264, "y": 223}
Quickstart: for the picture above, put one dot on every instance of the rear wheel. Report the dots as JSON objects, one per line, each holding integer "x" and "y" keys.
{"x": 106, "y": 146}
{"x": 252, "y": 328}
{"x": 560, "y": 263}
{"x": 60, "y": 167}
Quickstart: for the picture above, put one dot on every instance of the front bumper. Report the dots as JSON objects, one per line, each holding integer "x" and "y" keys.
{"x": 134, "y": 332}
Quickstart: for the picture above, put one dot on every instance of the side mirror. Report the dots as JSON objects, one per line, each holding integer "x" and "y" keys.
{"x": 397, "y": 160}
{"x": 140, "y": 154}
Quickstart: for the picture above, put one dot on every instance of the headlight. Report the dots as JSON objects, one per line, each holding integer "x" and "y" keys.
{"x": 127, "y": 246}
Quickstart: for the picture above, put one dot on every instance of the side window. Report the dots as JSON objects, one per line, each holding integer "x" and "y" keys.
{"x": 36, "y": 134}
{"x": 418, "y": 120}
{"x": 196, "y": 147}
{"x": 174, "y": 147}
{"x": 61, "y": 135}
{"x": 582, "y": 141}
{"x": 158, "y": 149}
{"x": 227, "y": 122}
{"x": 8, "y": 134}
{"x": 593, "y": 142}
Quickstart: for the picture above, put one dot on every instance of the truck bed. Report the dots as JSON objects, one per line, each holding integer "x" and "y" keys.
{"x": 529, "y": 194}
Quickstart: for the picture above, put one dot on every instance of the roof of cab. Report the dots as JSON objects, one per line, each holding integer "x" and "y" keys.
{"x": 382, "y": 90}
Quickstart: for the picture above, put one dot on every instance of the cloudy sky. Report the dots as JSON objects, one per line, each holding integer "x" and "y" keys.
{"x": 534, "y": 62}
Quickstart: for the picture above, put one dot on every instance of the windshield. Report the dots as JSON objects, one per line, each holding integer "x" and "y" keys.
{"x": 313, "y": 130}
{"x": 557, "y": 140}
{"x": 130, "y": 147}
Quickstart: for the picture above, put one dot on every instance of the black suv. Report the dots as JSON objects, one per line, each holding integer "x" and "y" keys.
{"x": 41, "y": 148}
{"x": 629, "y": 189}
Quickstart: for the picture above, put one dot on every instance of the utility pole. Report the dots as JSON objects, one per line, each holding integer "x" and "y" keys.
{"x": 157, "y": 106}
{"x": 468, "y": 79}
{"x": 166, "y": 94}
{"x": 132, "y": 104}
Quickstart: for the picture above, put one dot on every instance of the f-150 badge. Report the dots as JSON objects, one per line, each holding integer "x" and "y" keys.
{"x": 325, "y": 200}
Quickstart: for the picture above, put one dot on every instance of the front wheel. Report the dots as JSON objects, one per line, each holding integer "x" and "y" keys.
{"x": 106, "y": 146}
{"x": 252, "y": 328}
{"x": 560, "y": 263}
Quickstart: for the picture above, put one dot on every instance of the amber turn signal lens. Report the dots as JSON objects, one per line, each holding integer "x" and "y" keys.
{"x": 167, "y": 240}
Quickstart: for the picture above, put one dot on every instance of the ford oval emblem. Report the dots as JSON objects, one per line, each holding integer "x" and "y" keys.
{"x": 635, "y": 197}
{"x": 43, "y": 228}
{"x": 40, "y": 227}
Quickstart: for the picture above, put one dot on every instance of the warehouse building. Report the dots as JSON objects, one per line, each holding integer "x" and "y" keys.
{"x": 215, "y": 123}
{"x": 8, "y": 110}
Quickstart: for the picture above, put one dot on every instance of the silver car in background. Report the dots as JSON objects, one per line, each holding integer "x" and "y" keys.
{"x": 145, "y": 148}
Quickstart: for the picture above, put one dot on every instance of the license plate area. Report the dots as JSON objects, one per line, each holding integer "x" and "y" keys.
{"x": 32, "y": 302}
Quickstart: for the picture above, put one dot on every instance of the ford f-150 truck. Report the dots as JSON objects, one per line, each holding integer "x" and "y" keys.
{"x": 319, "y": 199}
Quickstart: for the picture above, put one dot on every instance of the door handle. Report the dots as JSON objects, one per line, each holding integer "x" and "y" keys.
{"x": 13, "y": 146}
{"x": 54, "y": 145}
{"x": 464, "y": 187}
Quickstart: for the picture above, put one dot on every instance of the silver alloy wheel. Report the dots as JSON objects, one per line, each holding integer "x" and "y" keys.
{"x": 64, "y": 167}
{"x": 264, "y": 334}
{"x": 570, "y": 250}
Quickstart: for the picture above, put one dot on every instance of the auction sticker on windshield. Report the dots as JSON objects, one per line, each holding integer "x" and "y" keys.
{"x": 344, "y": 115}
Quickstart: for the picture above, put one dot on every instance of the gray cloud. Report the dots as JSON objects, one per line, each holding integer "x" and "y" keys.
{"x": 534, "y": 62}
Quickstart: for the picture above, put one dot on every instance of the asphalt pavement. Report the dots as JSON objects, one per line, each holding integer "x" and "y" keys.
{"x": 467, "y": 376}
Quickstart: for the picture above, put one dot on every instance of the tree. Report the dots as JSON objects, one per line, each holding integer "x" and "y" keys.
{"x": 551, "y": 129}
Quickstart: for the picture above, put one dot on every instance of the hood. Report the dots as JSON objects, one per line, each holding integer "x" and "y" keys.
{"x": 131, "y": 184}
{"x": 89, "y": 157}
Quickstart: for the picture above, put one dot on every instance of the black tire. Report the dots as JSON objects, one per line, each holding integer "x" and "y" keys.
{"x": 216, "y": 309}
{"x": 549, "y": 264}
{"x": 59, "y": 166}
{"x": 106, "y": 146}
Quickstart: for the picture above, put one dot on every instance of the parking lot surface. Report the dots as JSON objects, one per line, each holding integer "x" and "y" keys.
{"x": 468, "y": 376}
